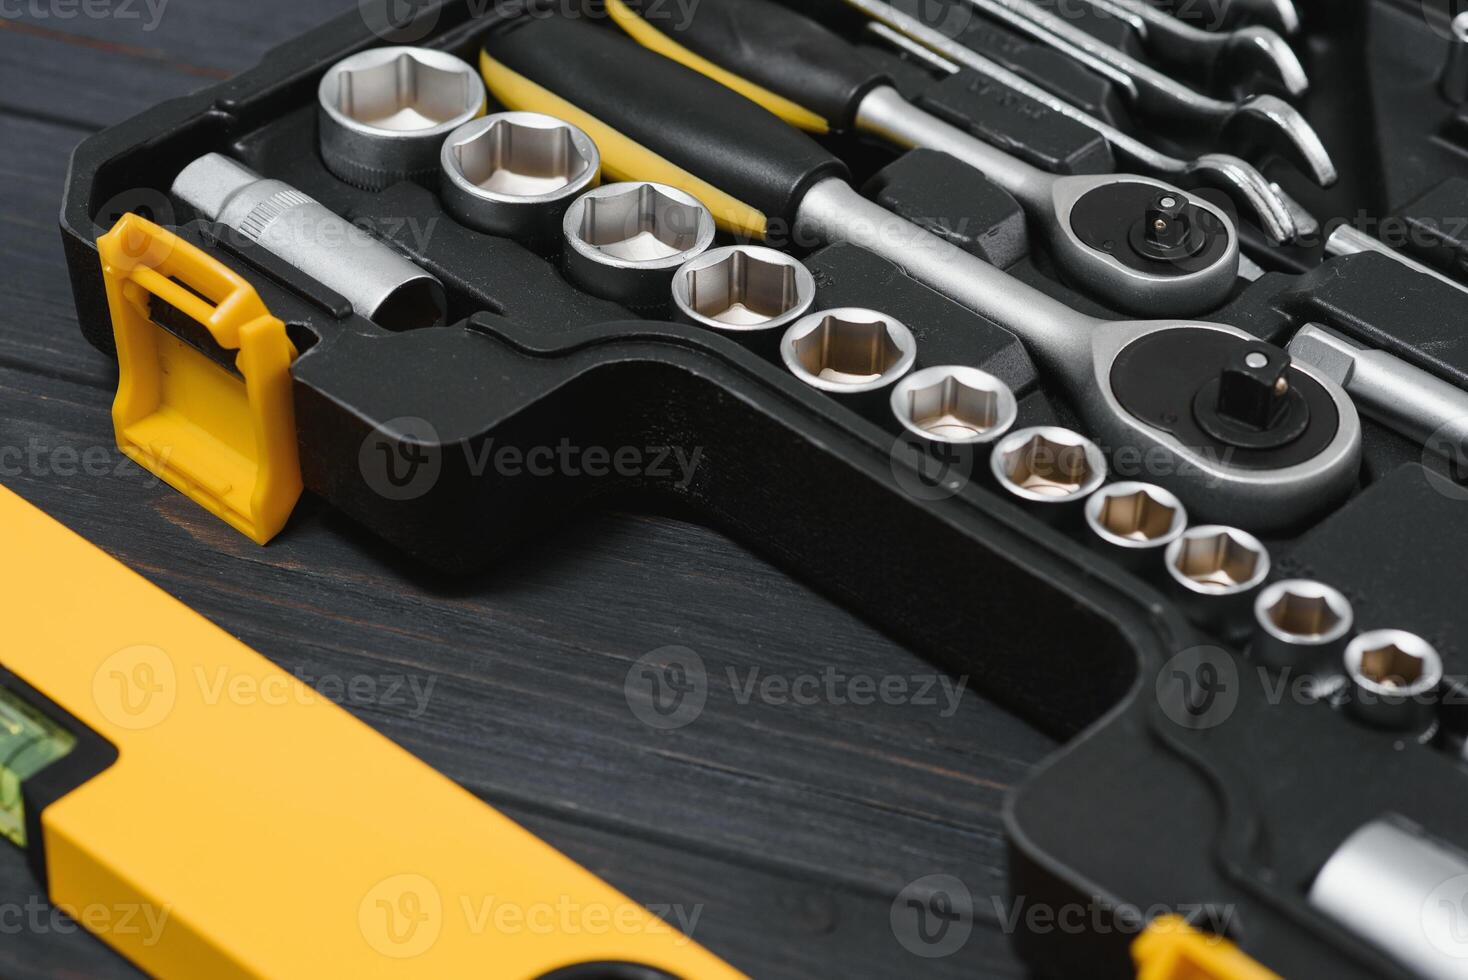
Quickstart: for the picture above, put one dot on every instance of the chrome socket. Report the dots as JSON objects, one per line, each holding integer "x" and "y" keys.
{"x": 1134, "y": 523}
{"x": 1395, "y": 678}
{"x": 383, "y": 114}
{"x": 958, "y": 406}
{"x": 624, "y": 242}
{"x": 849, "y": 352}
{"x": 514, "y": 174}
{"x": 1048, "y": 469}
{"x": 381, "y": 284}
{"x": 1302, "y": 627}
{"x": 744, "y": 290}
{"x": 1215, "y": 572}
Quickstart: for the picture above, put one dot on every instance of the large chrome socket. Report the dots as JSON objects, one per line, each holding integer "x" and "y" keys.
{"x": 1215, "y": 572}
{"x": 747, "y": 291}
{"x": 1049, "y": 470}
{"x": 514, "y": 174}
{"x": 624, "y": 242}
{"x": 851, "y": 353}
{"x": 1134, "y": 523}
{"x": 1301, "y": 627}
{"x": 384, "y": 113}
{"x": 381, "y": 284}
{"x": 1395, "y": 678}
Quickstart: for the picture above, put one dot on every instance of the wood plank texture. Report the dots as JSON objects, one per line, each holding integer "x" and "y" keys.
{"x": 790, "y": 827}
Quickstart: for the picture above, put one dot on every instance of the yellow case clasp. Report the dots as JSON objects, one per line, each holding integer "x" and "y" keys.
{"x": 1170, "y": 949}
{"x": 228, "y": 445}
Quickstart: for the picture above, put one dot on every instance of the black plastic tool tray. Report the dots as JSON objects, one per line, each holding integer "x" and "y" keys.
{"x": 1138, "y": 812}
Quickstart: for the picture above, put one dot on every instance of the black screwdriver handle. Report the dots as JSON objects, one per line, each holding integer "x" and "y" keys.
{"x": 699, "y": 128}
{"x": 771, "y": 45}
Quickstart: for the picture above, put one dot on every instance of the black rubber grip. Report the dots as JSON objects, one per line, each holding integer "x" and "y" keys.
{"x": 695, "y": 123}
{"x": 777, "y": 48}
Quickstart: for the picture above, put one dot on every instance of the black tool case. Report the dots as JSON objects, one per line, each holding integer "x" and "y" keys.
{"x": 1222, "y": 810}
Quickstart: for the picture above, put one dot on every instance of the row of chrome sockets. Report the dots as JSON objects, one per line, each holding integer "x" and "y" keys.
{"x": 535, "y": 178}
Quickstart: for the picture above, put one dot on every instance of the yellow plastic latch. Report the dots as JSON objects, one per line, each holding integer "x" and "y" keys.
{"x": 1170, "y": 949}
{"x": 229, "y": 445}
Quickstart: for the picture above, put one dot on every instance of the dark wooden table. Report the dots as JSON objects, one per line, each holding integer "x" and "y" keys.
{"x": 789, "y": 828}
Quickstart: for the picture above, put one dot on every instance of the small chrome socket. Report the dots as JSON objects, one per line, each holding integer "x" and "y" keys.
{"x": 1215, "y": 572}
{"x": 1049, "y": 469}
{"x": 383, "y": 113}
{"x": 953, "y": 405}
{"x": 1301, "y": 626}
{"x": 849, "y": 352}
{"x": 747, "y": 291}
{"x": 515, "y": 174}
{"x": 1133, "y": 523}
{"x": 625, "y": 242}
{"x": 1395, "y": 678}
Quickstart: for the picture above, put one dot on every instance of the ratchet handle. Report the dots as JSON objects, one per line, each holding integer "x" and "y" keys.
{"x": 654, "y": 119}
{"x": 793, "y": 66}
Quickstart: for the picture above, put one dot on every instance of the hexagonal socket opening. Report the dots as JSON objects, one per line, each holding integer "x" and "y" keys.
{"x": 1219, "y": 560}
{"x": 1307, "y": 611}
{"x": 743, "y": 290}
{"x": 517, "y": 160}
{"x": 1391, "y": 665}
{"x": 1142, "y": 515}
{"x": 957, "y": 406}
{"x": 1049, "y": 464}
{"x": 848, "y": 351}
{"x": 641, "y": 224}
{"x": 403, "y": 94}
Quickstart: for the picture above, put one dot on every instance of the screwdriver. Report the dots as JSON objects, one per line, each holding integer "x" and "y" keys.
{"x": 1277, "y": 442}
{"x": 1136, "y": 243}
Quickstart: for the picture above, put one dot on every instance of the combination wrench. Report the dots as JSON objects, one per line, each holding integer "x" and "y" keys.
{"x": 1136, "y": 243}
{"x": 1255, "y": 121}
{"x": 1225, "y": 420}
{"x": 1282, "y": 15}
{"x": 1210, "y": 58}
{"x": 1249, "y": 190}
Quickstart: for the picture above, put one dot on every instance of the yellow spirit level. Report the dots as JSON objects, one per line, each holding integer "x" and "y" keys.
{"x": 202, "y": 832}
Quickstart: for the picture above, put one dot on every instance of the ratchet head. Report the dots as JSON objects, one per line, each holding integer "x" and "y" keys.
{"x": 1226, "y": 421}
{"x": 1271, "y": 123}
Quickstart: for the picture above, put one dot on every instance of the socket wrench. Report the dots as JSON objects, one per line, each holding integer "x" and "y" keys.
{"x": 625, "y": 241}
{"x": 954, "y": 405}
{"x": 1225, "y": 421}
{"x": 1215, "y": 571}
{"x": 1407, "y": 399}
{"x": 384, "y": 113}
{"x": 743, "y": 290}
{"x": 1257, "y": 120}
{"x": 1402, "y": 891}
{"x": 849, "y": 352}
{"x": 1301, "y": 627}
{"x": 1136, "y": 243}
{"x": 1048, "y": 469}
{"x": 1250, "y": 191}
{"x": 381, "y": 284}
{"x": 514, "y": 174}
{"x": 1212, "y": 58}
{"x": 1134, "y": 523}
{"x": 1394, "y": 677}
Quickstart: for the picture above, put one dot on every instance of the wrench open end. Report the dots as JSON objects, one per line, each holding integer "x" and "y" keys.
{"x": 1261, "y": 50}
{"x": 1250, "y": 191}
{"x": 1271, "y": 122}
